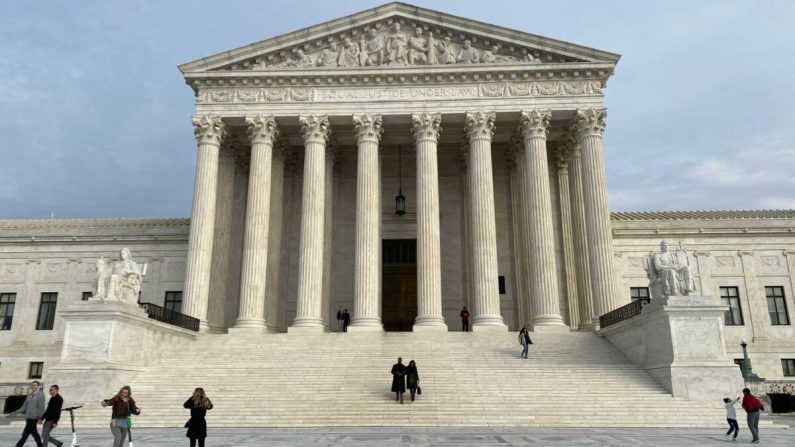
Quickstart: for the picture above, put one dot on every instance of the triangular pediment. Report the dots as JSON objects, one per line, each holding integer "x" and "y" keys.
{"x": 398, "y": 36}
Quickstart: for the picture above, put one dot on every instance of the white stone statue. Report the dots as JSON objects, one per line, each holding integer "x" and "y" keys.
{"x": 669, "y": 272}
{"x": 445, "y": 52}
{"x": 374, "y": 49}
{"x": 328, "y": 57}
{"x": 349, "y": 55}
{"x": 468, "y": 54}
{"x": 120, "y": 282}
{"x": 301, "y": 60}
{"x": 417, "y": 50}
{"x": 396, "y": 44}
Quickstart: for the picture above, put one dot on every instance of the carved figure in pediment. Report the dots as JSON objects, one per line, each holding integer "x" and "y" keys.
{"x": 328, "y": 57}
{"x": 490, "y": 56}
{"x": 362, "y": 51}
{"x": 529, "y": 58}
{"x": 349, "y": 55}
{"x": 669, "y": 272}
{"x": 417, "y": 50}
{"x": 301, "y": 60}
{"x": 468, "y": 54}
{"x": 445, "y": 53}
{"x": 396, "y": 44}
{"x": 433, "y": 58}
{"x": 374, "y": 49}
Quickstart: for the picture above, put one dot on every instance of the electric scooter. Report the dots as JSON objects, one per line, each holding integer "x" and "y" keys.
{"x": 72, "y": 419}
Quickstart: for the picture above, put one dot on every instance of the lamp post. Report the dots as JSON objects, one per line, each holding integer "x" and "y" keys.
{"x": 400, "y": 199}
{"x": 747, "y": 371}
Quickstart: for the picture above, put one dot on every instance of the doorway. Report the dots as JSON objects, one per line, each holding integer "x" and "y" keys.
{"x": 399, "y": 284}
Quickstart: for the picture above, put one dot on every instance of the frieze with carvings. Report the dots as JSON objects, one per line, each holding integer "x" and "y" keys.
{"x": 485, "y": 90}
{"x": 397, "y": 43}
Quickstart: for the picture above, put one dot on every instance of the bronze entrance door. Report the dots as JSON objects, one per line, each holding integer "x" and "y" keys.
{"x": 399, "y": 284}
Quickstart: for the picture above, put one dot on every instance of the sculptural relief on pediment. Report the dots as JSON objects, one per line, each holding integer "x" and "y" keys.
{"x": 396, "y": 43}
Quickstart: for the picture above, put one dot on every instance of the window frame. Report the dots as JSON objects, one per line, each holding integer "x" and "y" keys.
{"x": 788, "y": 367}
{"x": 639, "y": 296}
{"x": 729, "y": 297}
{"x": 86, "y": 295}
{"x": 47, "y": 310}
{"x": 166, "y": 301}
{"x": 776, "y": 299}
{"x": 7, "y": 315}
{"x": 39, "y": 366}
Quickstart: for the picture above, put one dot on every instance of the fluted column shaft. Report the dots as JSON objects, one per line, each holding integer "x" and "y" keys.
{"x": 315, "y": 132}
{"x": 276, "y": 227}
{"x": 210, "y": 131}
{"x": 367, "y": 262}
{"x": 590, "y": 126}
{"x": 518, "y": 224}
{"x": 426, "y": 129}
{"x": 479, "y": 130}
{"x": 262, "y": 131}
{"x": 524, "y": 234}
{"x": 219, "y": 290}
{"x": 568, "y": 240}
{"x": 544, "y": 289}
{"x": 328, "y": 238}
{"x": 584, "y": 290}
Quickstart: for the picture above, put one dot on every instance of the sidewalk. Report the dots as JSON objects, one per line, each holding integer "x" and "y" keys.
{"x": 448, "y": 436}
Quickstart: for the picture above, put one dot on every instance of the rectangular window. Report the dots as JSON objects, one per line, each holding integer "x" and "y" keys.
{"x": 86, "y": 296}
{"x": 731, "y": 297}
{"x": 174, "y": 301}
{"x": 501, "y": 281}
{"x": 776, "y": 306}
{"x": 46, "y": 312}
{"x": 788, "y": 365}
{"x": 636, "y": 293}
{"x": 7, "y": 301}
{"x": 35, "y": 370}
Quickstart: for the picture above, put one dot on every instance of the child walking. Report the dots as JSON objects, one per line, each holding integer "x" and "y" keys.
{"x": 731, "y": 417}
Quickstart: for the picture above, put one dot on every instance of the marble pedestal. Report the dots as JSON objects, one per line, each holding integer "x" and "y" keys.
{"x": 679, "y": 340}
{"x": 106, "y": 344}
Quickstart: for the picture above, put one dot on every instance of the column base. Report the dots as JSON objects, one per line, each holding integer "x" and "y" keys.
{"x": 488, "y": 320}
{"x": 436, "y": 321}
{"x": 548, "y": 321}
{"x": 249, "y": 323}
{"x": 212, "y": 329}
{"x": 204, "y": 327}
{"x": 585, "y": 327}
{"x": 437, "y": 327}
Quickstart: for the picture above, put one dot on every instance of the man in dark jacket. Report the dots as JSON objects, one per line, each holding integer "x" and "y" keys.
{"x": 346, "y": 320}
{"x": 33, "y": 408}
{"x": 51, "y": 416}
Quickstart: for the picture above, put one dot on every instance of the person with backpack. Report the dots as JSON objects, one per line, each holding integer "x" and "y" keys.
{"x": 524, "y": 340}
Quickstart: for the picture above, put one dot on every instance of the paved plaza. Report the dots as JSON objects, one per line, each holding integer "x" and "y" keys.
{"x": 448, "y": 436}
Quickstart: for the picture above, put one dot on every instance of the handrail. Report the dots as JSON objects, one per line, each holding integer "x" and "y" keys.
{"x": 160, "y": 313}
{"x": 623, "y": 313}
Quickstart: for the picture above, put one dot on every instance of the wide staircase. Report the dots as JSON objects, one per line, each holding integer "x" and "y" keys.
{"x": 571, "y": 379}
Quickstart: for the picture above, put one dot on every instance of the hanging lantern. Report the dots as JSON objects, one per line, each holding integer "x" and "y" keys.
{"x": 400, "y": 199}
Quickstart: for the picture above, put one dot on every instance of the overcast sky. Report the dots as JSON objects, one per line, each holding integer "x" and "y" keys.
{"x": 95, "y": 116}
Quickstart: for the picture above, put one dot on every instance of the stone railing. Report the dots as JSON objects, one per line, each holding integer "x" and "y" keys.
{"x": 623, "y": 313}
{"x": 169, "y": 316}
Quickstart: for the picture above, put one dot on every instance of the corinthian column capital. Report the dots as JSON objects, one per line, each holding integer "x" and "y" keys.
{"x": 209, "y": 129}
{"x": 367, "y": 127}
{"x": 535, "y": 123}
{"x": 262, "y": 128}
{"x": 590, "y": 122}
{"x": 426, "y": 126}
{"x": 480, "y": 125}
{"x": 315, "y": 128}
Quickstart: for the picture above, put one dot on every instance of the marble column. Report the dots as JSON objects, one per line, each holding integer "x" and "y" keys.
{"x": 524, "y": 235}
{"x": 479, "y": 130}
{"x": 219, "y": 291}
{"x": 210, "y": 131}
{"x": 329, "y": 315}
{"x": 367, "y": 261}
{"x": 426, "y": 128}
{"x": 315, "y": 131}
{"x": 570, "y": 271}
{"x": 518, "y": 224}
{"x": 273, "y": 294}
{"x": 543, "y": 266}
{"x": 580, "y": 237}
{"x": 590, "y": 125}
{"x": 262, "y": 131}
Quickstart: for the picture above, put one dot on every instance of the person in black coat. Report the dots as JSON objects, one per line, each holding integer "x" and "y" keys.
{"x": 196, "y": 425}
{"x": 399, "y": 379}
{"x": 412, "y": 379}
{"x": 346, "y": 320}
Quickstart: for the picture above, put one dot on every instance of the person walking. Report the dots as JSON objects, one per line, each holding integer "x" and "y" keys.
{"x": 340, "y": 319}
{"x": 399, "y": 379}
{"x": 731, "y": 417}
{"x": 524, "y": 340}
{"x": 33, "y": 409}
{"x": 122, "y": 406}
{"x": 412, "y": 379}
{"x": 51, "y": 417}
{"x": 752, "y": 406}
{"x": 197, "y": 425}
{"x": 346, "y": 320}
{"x": 464, "y": 319}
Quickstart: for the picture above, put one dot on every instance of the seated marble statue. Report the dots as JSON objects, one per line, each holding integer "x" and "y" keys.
{"x": 121, "y": 281}
{"x": 669, "y": 272}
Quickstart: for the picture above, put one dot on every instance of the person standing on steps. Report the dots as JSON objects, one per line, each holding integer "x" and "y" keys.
{"x": 412, "y": 379}
{"x": 346, "y": 320}
{"x": 753, "y": 407}
{"x": 122, "y": 406}
{"x": 197, "y": 425}
{"x": 340, "y": 318}
{"x": 33, "y": 409}
{"x": 51, "y": 417}
{"x": 524, "y": 340}
{"x": 731, "y": 417}
{"x": 399, "y": 379}
{"x": 464, "y": 319}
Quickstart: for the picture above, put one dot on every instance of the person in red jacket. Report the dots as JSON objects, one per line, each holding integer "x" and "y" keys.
{"x": 752, "y": 406}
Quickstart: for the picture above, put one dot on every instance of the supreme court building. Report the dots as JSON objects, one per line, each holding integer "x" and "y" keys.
{"x": 401, "y": 163}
